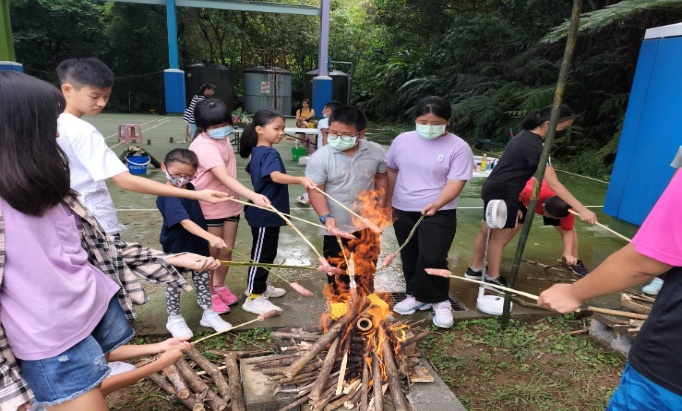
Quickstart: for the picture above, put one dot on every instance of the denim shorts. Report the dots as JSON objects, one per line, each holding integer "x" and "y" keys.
{"x": 82, "y": 367}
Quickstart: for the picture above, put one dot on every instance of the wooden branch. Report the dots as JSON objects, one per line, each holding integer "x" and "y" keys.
{"x": 627, "y": 303}
{"x": 165, "y": 385}
{"x": 295, "y": 404}
{"x": 414, "y": 339}
{"x": 199, "y": 386}
{"x": 376, "y": 376}
{"x": 342, "y": 370}
{"x": 353, "y": 389}
{"x": 365, "y": 386}
{"x": 173, "y": 375}
{"x": 399, "y": 401}
{"x": 618, "y": 313}
{"x": 326, "y": 369}
{"x": 295, "y": 336}
{"x": 236, "y": 392}
{"x": 212, "y": 370}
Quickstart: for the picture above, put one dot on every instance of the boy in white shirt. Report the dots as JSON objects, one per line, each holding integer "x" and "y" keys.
{"x": 86, "y": 84}
{"x": 323, "y": 125}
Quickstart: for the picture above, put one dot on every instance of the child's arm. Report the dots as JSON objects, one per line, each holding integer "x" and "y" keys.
{"x": 319, "y": 203}
{"x": 381, "y": 185}
{"x": 213, "y": 240}
{"x": 392, "y": 177}
{"x": 129, "y": 182}
{"x": 563, "y": 193}
{"x": 220, "y": 172}
{"x": 171, "y": 348}
{"x": 450, "y": 192}
{"x": 282, "y": 178}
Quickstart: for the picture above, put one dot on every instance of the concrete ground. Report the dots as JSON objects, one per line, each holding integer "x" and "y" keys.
{"x": 142, "y": 223}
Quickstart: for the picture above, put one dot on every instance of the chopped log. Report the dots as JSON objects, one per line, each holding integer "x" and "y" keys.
{"x": 326, "y": 369}
{"x": 241, "y": 354}
{"x": 618, "y": 313}
{"x": 236, "y": 393}
{"x": 269, "y": 359}
{"x": 295, "y": 404}
{"x": 322, "y": 342}
{"x": 212, "y": 370}
{"x": 353, "y": 389}
{"x": 414, "y": 339}
{"x": 173, "y": 375}
{"x": 189, "y": 402}
{"x": 342, "y": 370}
{"x": 376, "y": 375}
{"x": 399, "y": 401}
{"x": 296, "y": 336}
{"x": 627, "y": 303}
{"x": 365, "y": 386}
{"x": 325, "y": 399}
{"x": 199, "y": 386}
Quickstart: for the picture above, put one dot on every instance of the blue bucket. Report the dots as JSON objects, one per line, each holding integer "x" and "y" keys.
{"x": 138, "y": 164}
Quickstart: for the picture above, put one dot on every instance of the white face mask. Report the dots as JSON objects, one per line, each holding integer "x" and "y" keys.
{"x": 340, "y": 144}
{"x": 177, "y": 181}
{"x": 220, "y": 133}
{"x": 430, "y": 132}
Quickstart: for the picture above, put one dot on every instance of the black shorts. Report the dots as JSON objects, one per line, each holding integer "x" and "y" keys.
{"x": 218, "y": 222}
{"x": 513, "y": 207}
{"x": 555, "y": 222}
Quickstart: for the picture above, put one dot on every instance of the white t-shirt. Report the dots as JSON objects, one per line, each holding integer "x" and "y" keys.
{"x": 324, "y": 123}
{"x": 91, "y": 162}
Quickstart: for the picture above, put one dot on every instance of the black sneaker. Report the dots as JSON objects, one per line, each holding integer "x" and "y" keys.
{"x": 472, "y": 274}
{"x": 578, "y": 268}
{"x": 501, "y": 281}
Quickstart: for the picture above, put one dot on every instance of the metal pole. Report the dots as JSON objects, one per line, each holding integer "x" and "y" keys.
{"x": 549, "y": 140}
{"x": 172, "y": 28}
{"x": 323, "y": 53}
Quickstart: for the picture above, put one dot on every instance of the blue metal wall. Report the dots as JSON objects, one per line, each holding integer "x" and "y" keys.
{"x": 652, "y": 132}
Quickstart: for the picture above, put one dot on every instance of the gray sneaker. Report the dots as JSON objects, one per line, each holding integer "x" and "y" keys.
{"x": 409, "y": 305}
{"x": 443, "y": 317}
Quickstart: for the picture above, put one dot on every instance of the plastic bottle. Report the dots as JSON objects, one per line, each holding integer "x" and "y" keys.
{"x": 484, "y": 162}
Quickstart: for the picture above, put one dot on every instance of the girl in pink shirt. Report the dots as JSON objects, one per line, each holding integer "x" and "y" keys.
{"x": 218, "y": 170}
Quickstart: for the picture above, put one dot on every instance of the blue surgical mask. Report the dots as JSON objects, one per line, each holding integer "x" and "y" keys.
{"x": 342, "y": 143}
{"x": 430, "y": 132}
{"x": 220, "y": 133}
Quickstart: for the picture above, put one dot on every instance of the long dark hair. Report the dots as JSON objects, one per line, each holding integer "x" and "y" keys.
{"x": 536, "y": 118}
{"x": 438, "y": 106}
{"x": 204, "y": 87}
{"x": 34, "y": 170}
{"x": 211, "y": 112}
{"x": 249, "y": 138}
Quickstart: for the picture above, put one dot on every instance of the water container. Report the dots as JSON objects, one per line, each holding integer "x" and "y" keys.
{"x": 137, "y": 165}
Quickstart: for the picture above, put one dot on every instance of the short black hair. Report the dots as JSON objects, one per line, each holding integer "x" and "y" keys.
{"x": 88, "y": 72}
{"x": 535, "y": 118}
{"x": 556, "y": 207}
{"x": 438, "y": 106}
{"x": 333, "y": 105}
{"x": 182, "y": 155}
{"x": 211, "y": 112}
{"x": 349, "y": 116}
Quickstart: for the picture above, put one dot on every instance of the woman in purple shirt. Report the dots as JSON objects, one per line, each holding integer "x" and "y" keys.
{"x": 427, "y": 169}
{"x": 61, "y": 316}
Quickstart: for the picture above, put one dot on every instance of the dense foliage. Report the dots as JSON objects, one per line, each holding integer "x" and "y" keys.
{"x": 493, "y": 59}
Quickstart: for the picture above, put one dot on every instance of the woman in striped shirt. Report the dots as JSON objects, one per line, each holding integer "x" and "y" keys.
{"x": 206, "y": 90}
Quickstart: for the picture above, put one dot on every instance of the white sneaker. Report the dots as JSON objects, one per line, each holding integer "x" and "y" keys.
{"x": 409, "y": 305}
{"x": 443, "y": 317}
{"x": 653, "y": 287}
{"x": 260, "y": 305}
{"x": 119, "y": 367}
{"x": 271, "y": 292}
{"x": 178, "y": 328}
{"x": 211, "y": 319}
{"x": 303, "y": 199}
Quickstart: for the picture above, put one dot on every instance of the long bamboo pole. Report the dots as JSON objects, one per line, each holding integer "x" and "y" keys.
{"x": 549, "y": 140}
{"x": 610, "y": 230}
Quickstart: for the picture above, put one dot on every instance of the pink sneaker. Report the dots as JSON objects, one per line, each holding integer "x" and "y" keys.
{"x": 225, "y": 295}
{"x": 218, "y": 305}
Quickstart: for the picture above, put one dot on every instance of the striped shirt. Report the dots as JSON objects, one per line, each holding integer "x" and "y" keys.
{"x": 120, "y": 261}
{"x": 189, "y": 113}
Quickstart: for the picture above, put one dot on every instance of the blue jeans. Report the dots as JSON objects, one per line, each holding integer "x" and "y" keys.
{"x": 82, "y": 367}
{"x": 192, "y": 131}
{"x": 638, "y": 393}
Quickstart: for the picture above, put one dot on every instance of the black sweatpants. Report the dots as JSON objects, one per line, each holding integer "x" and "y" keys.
{"x": 428, "y": 248}
{"x": 263, "y": 250}
{"x": 332, "y": 252}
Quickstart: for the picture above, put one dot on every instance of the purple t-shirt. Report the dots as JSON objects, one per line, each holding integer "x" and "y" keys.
{"x": 51, "y": 296}
{"x": 425, "y": 166}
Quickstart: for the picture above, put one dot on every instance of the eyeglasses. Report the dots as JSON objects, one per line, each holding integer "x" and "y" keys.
{"x": 334, "y": 136}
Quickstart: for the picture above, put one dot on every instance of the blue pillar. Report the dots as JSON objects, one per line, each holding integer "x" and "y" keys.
{"x": 322, "y": 84}
{"x": 173, "y": 78}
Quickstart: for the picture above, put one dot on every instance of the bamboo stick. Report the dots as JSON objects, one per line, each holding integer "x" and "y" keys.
{"x": 164, "y": 384}
{"x": 262, "y": 317}
{"x": 198, "y": 386}
{"x": 610, "y": 230}
{"x": 618, "y": 313}
{"x": 264, "y": 265}
{"x": 212, "y": 370}
{"x": 447, "y": 274}
{"x": 369, "y": 224}
{"x": 236, "y": 392}
{"x": 325, "y": 370}
{"x": 171, "y": 372}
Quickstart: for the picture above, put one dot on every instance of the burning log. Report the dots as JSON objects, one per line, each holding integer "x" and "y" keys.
{"x": 414, "y": 339}
{"x": 198, "y": 386}
{"x": 164, "y": 384}
{"x": 212, "y": 370}
{"x": 236, "y": 394}
{"x": 399, "y": 401}
{"x": 376, "y": 374}
{"x": 365, "y": 387}
{"x": 171, "y": 372}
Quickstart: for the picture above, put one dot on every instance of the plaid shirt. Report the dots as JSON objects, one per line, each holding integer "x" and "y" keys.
{"x": 121, "y": 262}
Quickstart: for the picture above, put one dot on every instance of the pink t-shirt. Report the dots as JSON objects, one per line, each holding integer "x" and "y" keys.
{"x": 660, "y": 236}
{"x": 213, "y": 153}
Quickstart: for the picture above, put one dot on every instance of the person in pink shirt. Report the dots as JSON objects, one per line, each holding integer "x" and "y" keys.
{"x": 652, "y": 380}
{"x": 218, "y": 171}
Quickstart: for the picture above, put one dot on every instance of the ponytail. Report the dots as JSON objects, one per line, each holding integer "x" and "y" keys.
{"x": 535, "y": 118}
{"x": 249, "y": 138}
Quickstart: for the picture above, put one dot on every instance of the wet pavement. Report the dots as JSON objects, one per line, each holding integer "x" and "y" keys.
{"x": 142, "y": 223}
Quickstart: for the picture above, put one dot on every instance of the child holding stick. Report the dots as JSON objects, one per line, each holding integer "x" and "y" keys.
{"x": 52, "y": 245}
{"x": 218, "y": 171}
{"x": 184, "y": 230}
{"x": 269, "y": 178}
